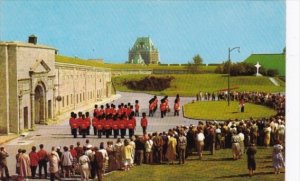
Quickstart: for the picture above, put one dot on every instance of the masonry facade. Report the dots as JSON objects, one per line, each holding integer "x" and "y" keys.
{"x": 34, "y": 88}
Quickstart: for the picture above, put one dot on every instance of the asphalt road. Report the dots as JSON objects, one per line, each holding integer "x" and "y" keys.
{"x": 59, "y": 134}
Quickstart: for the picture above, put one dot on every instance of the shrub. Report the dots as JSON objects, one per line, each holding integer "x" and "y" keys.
{"x": 272, "y": 72}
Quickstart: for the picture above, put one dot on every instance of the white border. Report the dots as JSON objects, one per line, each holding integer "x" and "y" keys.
{"x": 292, "y": 90}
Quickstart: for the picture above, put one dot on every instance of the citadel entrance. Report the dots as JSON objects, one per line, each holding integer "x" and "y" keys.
{"x": 39, "y": 104}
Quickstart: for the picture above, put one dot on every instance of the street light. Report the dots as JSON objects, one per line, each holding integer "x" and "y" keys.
{"x": 228, "y": 91}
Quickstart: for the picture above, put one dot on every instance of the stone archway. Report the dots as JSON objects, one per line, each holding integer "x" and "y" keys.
{"x": 39, "y": 104}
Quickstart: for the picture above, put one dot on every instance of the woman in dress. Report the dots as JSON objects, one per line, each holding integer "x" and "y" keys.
{"x": 251, "y": 151}
{"x": 119, "y": 153}
{"x": 127, "y": 154}
{"x": 171, "y": 150}
{"x": 267, "y": 131}
{"x": 236, "y": 149}
{"x": 200, "y": 142}
{"x": 84, "y": 163}
{"x": 112, "y": 164}
{"x": 278, "y": 161}
{"x": 53, "y": 165}
{"x": 24, "y": 161}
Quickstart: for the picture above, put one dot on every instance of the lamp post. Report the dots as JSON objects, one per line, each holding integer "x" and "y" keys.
{"x": 229, "y": 61}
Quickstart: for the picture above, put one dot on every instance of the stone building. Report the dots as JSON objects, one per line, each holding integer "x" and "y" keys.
{"x": 35, "y": 88}
{"x": 143, "y": 51}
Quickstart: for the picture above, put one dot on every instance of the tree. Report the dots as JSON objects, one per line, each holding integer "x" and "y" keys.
{"x": 197, "y": 60}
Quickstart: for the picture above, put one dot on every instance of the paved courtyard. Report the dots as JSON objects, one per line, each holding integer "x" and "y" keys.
{"x": 59, "y": 134}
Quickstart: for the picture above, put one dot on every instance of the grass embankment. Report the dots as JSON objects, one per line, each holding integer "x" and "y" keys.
{"x": 212, "y": 167}
{"x": 123, "y": 66}
{"x": 191, "y": 84}
{"x": 219, "y": 110}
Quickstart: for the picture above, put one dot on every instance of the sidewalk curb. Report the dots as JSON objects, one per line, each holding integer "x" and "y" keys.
{"x": 13, "y": 136}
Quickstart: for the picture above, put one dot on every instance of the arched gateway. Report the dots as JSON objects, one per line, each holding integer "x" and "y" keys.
{"x": 39, "y": 104}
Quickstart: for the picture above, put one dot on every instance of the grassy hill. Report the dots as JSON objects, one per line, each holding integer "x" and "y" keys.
{"x": 79, "y": 61}
{"x": 191, "y": 84}
{"x": 269, "y": 61}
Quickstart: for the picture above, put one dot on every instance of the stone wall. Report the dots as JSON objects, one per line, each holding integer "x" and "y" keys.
{"x": 32, "y": 83}
{"x": 80, "y": 85}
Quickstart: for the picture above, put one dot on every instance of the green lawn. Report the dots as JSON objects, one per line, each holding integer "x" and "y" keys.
{"x": 219, "y": 110}
{"x": 212, "y": 167}
{"x": 191, "y": 84}
{"x": 123, "y": 66}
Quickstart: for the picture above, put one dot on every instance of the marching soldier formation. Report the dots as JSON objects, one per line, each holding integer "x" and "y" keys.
{"x": 106, "y": 122}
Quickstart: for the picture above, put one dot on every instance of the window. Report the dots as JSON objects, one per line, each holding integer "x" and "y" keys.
{"x": 63, "y": 101}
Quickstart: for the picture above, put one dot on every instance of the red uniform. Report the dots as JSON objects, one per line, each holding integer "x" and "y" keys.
{"x": 115, "y": 124}
{"x": 96, "y": 111}
{"x": 128, "y": 111}
{"x": 100, "y": 124}
{"x": 123, "y": 124}
{"x": 108, "y": 111}
{"x": 131, "y": 123}
{"x": 176, "y": 107}
{"x": 101, "y": 112}
{"x": 94, "y": 121}
{"x": 163, "y": 107}
{"x": 113, "y": 111}
{"x": 87, "y": 121}
{"x": 144, "y": 122}
{"x": 119, "y": 111}
{"x": 108, "y": 124}
{"x": 137, "y": 107}
{"x": 72, "y": 123}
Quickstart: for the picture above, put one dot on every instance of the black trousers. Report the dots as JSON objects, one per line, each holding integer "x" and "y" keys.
{"x": 144, "y": 129}
{"x": 33, "y": 171}
{"x": 99, "y": 133}
{"x": 42, "y": 164}
{"x": 116, "y": 133}
{"x": 107, "y": 132}
{"x": 131, "y": 132}
{"x": 4, "y": 165}
{"x": 123, "y": 133}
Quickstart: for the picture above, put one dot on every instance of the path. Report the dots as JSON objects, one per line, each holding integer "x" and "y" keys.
{"x": 59, "y": 134}
{"x": 274, "y": 81}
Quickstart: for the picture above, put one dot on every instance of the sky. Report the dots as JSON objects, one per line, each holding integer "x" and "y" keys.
{"x": 179, "y": 29}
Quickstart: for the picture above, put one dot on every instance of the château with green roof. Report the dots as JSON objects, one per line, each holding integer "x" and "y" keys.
{"x": 269, "y": 61}
{"x": 143, "y": 52}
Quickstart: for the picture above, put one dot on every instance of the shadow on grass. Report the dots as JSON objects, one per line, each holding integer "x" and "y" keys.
{"x": 210, "y": 159}
{"x": 245, "y": 175}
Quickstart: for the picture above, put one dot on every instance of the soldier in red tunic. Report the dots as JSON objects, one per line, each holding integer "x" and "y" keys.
{"x": 123, "y": 125}
{"x": 101, "y": 111}
{"x": 94, "y": 123}
{"x": 108, "y": 126}
{"x": 115, "y": 125}
{"x": 88, "y": 122}
{"x": 163, "y": 108}
{"x": 144, "y": 122}
{"x": 131, "y": 125}
{"x": 137, "y": 108}
{"x": 176, "y": 107}
{"x": 74, "y": 125}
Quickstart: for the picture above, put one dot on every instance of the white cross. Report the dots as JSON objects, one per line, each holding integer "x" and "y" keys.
{"x": 257, "y": 68}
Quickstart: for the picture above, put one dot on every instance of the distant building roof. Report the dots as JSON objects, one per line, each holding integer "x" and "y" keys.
{"x": 269, "y": 61}
{"x": 144, "y": 43}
